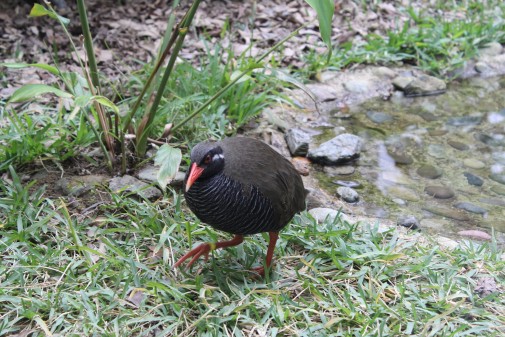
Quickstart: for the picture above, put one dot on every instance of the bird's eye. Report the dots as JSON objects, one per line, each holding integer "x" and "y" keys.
{"x": 207, "y": 159}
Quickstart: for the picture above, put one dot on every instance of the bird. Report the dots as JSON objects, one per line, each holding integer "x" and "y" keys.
{"x": 241, "y": 186}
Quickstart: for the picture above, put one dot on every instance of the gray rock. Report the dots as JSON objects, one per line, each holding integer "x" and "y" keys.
{"x": 458, "y": 145}
{"x": 482, "y": 67}
{"x": 78, "y": 185}
{"x": 499, "y": 178}
{"x": 464, "y": 120}
{"x": 473, "y": 179}
{"x": 408, "y": 221}
{"x": 323, "y": 92}
{"x": 439, "y": 192}
{"x": 429, "y": 171}
{"x": 474, "y": 163}
{"x": 149, "y": 173}
{"x": 400, "y": 157}
{"x": 493, "y": 201}
{"x": 343, "y": 148}
{"x": 491, "y": 49}
{"x": 384, "y": 72}
{"x": 468, "y": 206}
{"x": 131, "y": 184}
{"x": 379, "y": 117}
{"x": 347, "y": 183}
{"x": 348, "y": 194}
{"x": 401, "y": 82}
{"x": 425, "y": 85}
{"x": 357, "y": 86}
{"x": 298, "y": 142}
{"x": 437, "y": 151}
{"x": 339, "y": 170}
{"x": 446, "y": 212}
{"x": 491, "y": 140}
{"x": 321, "y": 214}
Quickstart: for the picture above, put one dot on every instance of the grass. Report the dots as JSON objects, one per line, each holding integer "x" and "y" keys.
{"x": 110, "y": 274}
{"x": 428, "y": 39}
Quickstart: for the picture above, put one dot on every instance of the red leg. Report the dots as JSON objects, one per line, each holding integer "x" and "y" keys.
{"x": 270, "y": 253}
{"x": 205, "y": 248}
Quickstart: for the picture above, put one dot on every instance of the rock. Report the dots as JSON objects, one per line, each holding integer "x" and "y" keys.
{"x": 128, "y": 183}
{"x": 275, "y": 119}
{"x": 474, "y": 163}
{"x": 339, "y": 170}
{"x": 498, "y": 189}
{"x": 439, "y": 192}
{"x": 494, "y": 140}
{"x": 321, "y": 214}
{"x": 78, "y": 185}
{"x": 437, "y": 151}
{"x": 429, "y": 172}
{"x": 446, "y": 242}
{"x": 446, "y": 212}
{"x": 428, "y": 116}
{"x": 178, "y": 180}
{"x": 298, "y": 142}
{"x": 458, "y": 145}
{"x": 384, "y": 72}
{"x": 498, "y": 177}
{"x": 379, "y": 117}
{"x": 348, "y": 194}
{"x": 401, "y": 158}
{"x": 482, "y": 67}
{"x": 302, "y": 165}
{"x": 323, "y": 92}
{"x": 403, "y": 193}
{"x": 492, "y": 201}
{"x": 491, "y": 49}
{"x": 424, "y": 85}
{"x": 436, "y": 132}
{"x": 347, "y": 183}
{"x": 408, "y": 221}
{"x": 343, "y": 148}
{"x": 473, "y": 179}
{"x": 149, "y": 173}
{"x": 475, "y": 234}
{"x": 401, "y": 82}
{"x": 464, "y": 120}
{"x": 467, "y": 206}
{"x": 357, "y": 86}
{"x": 486, "y": 286}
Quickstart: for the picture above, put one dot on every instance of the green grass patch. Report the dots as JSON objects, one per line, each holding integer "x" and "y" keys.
{"x": 110, "y": 275}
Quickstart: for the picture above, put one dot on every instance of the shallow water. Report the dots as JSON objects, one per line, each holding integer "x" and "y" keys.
{"x": 417, "y": 147}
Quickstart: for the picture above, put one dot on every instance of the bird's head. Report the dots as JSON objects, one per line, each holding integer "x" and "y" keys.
{"x": 207, "y": 159}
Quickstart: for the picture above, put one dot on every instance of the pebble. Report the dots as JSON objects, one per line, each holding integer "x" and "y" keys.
{"x": 473, "y": 179}
{"x": 347, "y": 183}
{"x": 458, "y": 145}
{"x": 429, "y": 171}
{"x": 475, "y": 234}
{"x": 491, "y": 49}
{"x": 436, "y": 132}
{"x": 446, "y": 212}
{"x": 401, "y": 158}
{"x": 439, "y": 192}
{"x": 298, "y": 142}
{"x": 474, "y": 163}
{"x": 428, "y": 116}
{"x": 468, "y": 206}
{"x": 339, "y": 170}
{"x": 348, "y": 194}
{"x": 408, "y": 221}
{"x": 499, "y": 178}
{"x": 379, "y": 117}
{"x": 302, "y": 165}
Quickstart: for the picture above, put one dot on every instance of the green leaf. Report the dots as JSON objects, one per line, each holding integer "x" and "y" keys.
{"x": 39, "y": 10}
{"x": 47, "y": 67}
{"x": 324, "y": 10}
{"x": 106, "y": 102}
{"x": 168, "y": 158}
{"x": 238, "y": 73}
{"x": 31, "y": 91}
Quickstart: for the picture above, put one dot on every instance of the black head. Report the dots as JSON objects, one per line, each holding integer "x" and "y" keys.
{"x": 207, "y": 160}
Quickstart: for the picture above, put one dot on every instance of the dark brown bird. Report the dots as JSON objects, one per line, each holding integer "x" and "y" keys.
{"x": 241, "y": 186}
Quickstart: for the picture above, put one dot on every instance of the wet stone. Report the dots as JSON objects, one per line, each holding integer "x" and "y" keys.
{"x": 347, "y": 183}
{"x": 348, "y": 194}
{"x": 429, "y": 171}
{"x": 408, "y": 221}
{"x": 473, "y": 179}
{"x": 498, "y": 189}
{"x": 437, "y": 151}
{"x": 339, "y": 170}
{"x": 436, "y": 132}
{"x": 425, "y": 85}
{"x": 343, "y": 148}
{"x": 379, "y": 117}
{"x": 498, "y": 177}
{"x": 474, "y": 163}
{"x": 428, "y": 116}
{"x": 298, "y": 142}
{"x": 446, "y": 212}
{"x": 458, "y": 145}
{"x": 491, "y": 140}
{"x": 464, "y": 120}
{"x": 439, "y": 192}
{"x": 472, "y": 208}
{"x": 401, "y": 158}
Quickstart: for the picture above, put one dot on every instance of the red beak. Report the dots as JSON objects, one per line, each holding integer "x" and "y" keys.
{"x": 194, "y": 173}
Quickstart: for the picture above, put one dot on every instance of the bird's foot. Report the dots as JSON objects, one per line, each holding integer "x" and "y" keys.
{"x": 203, "y": 249}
